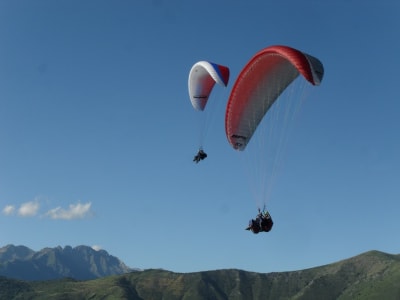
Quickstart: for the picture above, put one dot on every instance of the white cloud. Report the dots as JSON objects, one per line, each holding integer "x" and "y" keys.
{"x": 75, "y": 211}
{"x": 8, "y": 210}
{"x": 96, "y": 247}
{"x": 28, "y": 209}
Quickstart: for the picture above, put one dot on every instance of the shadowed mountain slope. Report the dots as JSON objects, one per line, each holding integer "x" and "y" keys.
{"x": 81, "y": 263}
{"x": 372, "y": 275}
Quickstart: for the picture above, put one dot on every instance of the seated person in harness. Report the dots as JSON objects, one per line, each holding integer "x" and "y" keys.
{"x": 262, "y": 223}
{"x": 199, "y": 156}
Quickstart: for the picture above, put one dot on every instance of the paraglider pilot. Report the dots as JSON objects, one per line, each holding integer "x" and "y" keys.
{"x": 199, "y": 156}
{"x": 262, "y": 223}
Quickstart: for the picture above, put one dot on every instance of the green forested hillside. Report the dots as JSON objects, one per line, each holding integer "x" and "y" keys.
{"x": 372, "y": 275}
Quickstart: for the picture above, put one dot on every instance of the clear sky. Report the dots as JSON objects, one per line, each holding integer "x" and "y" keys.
{"x": 97, "y": 133}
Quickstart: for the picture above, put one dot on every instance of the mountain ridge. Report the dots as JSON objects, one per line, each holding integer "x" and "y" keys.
{"x": 370, "y": 275}
{"x": 80, "y": 262}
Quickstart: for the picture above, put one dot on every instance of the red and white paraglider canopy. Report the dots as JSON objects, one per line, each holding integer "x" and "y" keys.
{"x": 260, "y": 83}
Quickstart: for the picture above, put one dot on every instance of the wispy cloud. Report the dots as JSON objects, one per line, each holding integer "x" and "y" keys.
{"x": 28, "y": 209}
{"x": 8, "y": 210}
{"x": 75, "y": 211}
{"x": 31, "y": 209}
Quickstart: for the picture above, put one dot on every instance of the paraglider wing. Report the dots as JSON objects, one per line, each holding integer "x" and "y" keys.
{"x": 202, "y": 78}
{"x": 260, "y": 83}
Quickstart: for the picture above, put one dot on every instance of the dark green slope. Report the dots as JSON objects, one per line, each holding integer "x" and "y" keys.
{"x": 372, "y": 275}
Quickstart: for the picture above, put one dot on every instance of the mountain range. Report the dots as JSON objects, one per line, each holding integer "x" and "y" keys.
{"x": 370, "y": 275}
{"x": 81, "y": 263}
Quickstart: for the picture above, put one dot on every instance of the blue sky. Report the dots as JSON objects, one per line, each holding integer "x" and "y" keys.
{"x": 97, "y": 132}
